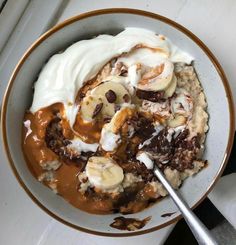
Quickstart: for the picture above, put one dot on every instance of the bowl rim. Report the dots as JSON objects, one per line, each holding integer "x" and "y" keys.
{"x": 117, "y": 11}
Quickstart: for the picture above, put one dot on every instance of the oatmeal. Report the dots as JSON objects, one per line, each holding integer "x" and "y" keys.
{"x": 106, "y": 111}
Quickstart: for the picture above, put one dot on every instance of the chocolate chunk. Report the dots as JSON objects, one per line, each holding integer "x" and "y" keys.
{"x": 150, "y": 95}
{"x": 179, "y": 139}
{"x": 106, "y": 119}
{"x": 123, "y": 73}
{"x": 179, "y": 153}
{"x": 143, "y": 127}
{"x": 167, "y": 214}
{"x": 186, "y": 151}
{"x": 98, "y": 108}
{"x": 111, "y": 96}
{"x": 56, "y": 142}
{"x": 126, "y": 98}
{"x": 161, "y": 147}
{"x": 130, "y": 224}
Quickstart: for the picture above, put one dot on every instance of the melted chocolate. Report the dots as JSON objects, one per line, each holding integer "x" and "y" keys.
{"x": 150, "y": 95}
{"x": 178, "y": 153}
{"x": 129, "y": 224}
{"x": 186, "y": 151}
{"x": 143, "y": 127}
{"x": 167, "y": 214}
{"x": 160, "y": 144}
{"x": 56, "y": 141}
{"x": 55, "y": 135}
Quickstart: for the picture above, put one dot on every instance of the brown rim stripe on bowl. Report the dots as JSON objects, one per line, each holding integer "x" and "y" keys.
{"x": 127, "y": 11}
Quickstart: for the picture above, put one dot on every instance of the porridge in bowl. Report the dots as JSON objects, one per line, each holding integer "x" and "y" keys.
{"x": 103, "y": 108}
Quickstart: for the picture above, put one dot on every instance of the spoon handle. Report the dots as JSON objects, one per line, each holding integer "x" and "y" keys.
{"x": 199, "y": 230}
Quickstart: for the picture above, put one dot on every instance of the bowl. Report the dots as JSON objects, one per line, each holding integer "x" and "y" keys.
{"x": 18, "y": 98}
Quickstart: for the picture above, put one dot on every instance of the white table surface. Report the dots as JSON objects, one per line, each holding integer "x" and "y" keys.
{"x": 213, "y": 21}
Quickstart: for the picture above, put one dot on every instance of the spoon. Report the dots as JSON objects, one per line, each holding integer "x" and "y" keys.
{"x": 199, "y": 230}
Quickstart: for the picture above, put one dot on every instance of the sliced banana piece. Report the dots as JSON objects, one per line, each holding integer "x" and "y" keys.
{"x": 104, "y": 173}
{"x": 158, "y": 78}
{"x": 117, "y": 88}
{"x": 124, "y": 81}
{"x": 107, "y": 93}
{"x": 126, "y": 112}
{"x": 171, "y": 88}
{"x": 110, "y": 135}
{"x": 88, "y": 106}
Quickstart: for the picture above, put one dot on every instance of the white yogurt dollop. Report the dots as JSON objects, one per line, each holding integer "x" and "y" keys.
{"x": 109, "y": 141}
{"x": 65, "y": 73}
{"x": 79, "y": 146}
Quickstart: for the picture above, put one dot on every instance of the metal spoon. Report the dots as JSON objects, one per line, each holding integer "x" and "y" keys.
{"x": 199, "y": 230}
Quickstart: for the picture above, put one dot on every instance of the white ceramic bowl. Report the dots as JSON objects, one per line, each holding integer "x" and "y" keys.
{"x": 19, "y": 93}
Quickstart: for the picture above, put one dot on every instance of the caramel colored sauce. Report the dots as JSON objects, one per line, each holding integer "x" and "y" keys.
{"x": 89, "y": 132}
{"x": 65, "y": 178}
{"x": 34, "y": 147}
{"x": 36, "y": 153}
{"x": 67, "y": 187}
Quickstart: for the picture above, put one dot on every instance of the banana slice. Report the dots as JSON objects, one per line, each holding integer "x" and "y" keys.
{"x": 104, "y": 173}
{"x": 158, "y": 78}
{"x": 126, "y": 112}
{"x": 88, "y": 106}
{"x": 110, "y": 136}
{"x": 171, "y": 88}
{"x": 104, "y": 88}
{"x": 108, "y": 94}
{"x": 124, "y": 81}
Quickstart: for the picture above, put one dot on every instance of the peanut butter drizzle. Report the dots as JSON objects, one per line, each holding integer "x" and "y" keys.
{"x": 67, "y": 187}
{"x": 36, "y": 152}
{"x": 65, "y": 177}
{"x": 34, "y": 146}
{"x": 89, "y": 132}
